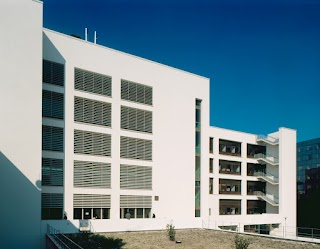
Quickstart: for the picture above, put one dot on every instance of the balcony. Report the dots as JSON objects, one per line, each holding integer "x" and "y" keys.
{"x": 229, "y": 187}
{"x": 267, "y": 158}
{"x": 268, "y": 139}
{"x": 255, "y": 167}
{"x": 229, "y": 207}
{"x": 267, "y": 177}
{"x": 256, "y": 207}
{"x": 253, "y": 186}
{"x": 229, "y": 167}
{"x": 270, "y": 198}
{"x": 230, "y": 148}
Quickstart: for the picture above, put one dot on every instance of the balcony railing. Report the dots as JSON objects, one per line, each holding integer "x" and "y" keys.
{"x": 270, "y": 198}
{"x": 268, "y": 139}
{"x": 268, "y": 177}
{"x": 267, "y": 158}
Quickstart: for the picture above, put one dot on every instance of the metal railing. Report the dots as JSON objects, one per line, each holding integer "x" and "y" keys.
{"x": 268, "y": 158}
{"x": 267, "y": 197}
{"x": 268, "y": 139}
{"x": 268, "y": 230}
{"x": 267, "y": 176}
{"x": 61, "y": 240}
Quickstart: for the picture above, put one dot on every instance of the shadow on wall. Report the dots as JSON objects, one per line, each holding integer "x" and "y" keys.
{"x": 50, "y": 52}
{"x": 20, "y": 208}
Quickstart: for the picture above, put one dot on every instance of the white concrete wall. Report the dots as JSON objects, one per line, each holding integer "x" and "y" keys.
{"x": 20, "y": 122}
{"x": 174, "y": 95}
{"x": 287, "y": 176}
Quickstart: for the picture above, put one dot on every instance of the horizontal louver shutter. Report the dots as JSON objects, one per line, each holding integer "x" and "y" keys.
{"x": 92, "y": 174}
{"x": 136, "y": 119}
{"x": 92, "y": 82}
{"x": 136, "y": 92}
{"x": 91, "y": 201}
{"x": 53, "y": 73}
{"x": 135, "y": 201}
{"x": 135, "y": 177}
{"x": 51, "y": 200}
{"x": 92, "y": 112}
{"x": 135, "y": 148}
{"x": 92, "y": 143}
{"x": 52, "y": 172}
{"x": 52, "y": 105}
{"x": 52, "y": 138}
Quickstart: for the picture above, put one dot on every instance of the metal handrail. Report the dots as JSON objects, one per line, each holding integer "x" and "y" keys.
{"x": 58, "y": 238}
{"x": 267, "y": 175}
{"x": 267, "y": 195}
{"x": 267, "y": 157}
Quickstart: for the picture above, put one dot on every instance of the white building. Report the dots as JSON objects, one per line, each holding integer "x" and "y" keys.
{"x": 88, "y": 132}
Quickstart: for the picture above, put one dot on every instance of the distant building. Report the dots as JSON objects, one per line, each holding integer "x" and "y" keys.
{"x": 308, "y": 182}
{"x": 91, "y": 133}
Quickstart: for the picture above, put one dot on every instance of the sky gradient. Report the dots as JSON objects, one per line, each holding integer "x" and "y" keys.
{"x": 262, "y": 57}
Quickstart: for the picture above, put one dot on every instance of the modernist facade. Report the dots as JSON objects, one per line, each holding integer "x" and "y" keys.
{"x": 308, "y": 182}
{"x": 90, "y": 133}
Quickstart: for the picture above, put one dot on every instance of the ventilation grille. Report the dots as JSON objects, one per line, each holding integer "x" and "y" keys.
{"x": 52, "y": 172}
{"x": 135, "y": 177}
{"x": 135, "y": 148}
{"x": 136, "y": 92}
{"x": 135, "y": 201}
{"x": 92, "y": 143}
{"x": 91, "y": 201}
{"x": 92, "y": 112}
{"x": 92, "y": 174}
{"x": 92, "y": 82}
{"x": 52, "y": 138}
{"x": 51, "y": 200}
{"x": 136, "y": 119}
{"x": 53, "y": 73}
{"x": 52, "y": 105}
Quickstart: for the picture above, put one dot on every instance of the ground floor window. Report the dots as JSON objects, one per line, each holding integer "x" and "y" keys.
{"x": 91, "y": 213}
{"x": 133, "y": 213}
{"x": 51, "y": 213}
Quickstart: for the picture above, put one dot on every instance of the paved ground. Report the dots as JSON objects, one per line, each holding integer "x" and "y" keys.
{"x": 200, "y": 239}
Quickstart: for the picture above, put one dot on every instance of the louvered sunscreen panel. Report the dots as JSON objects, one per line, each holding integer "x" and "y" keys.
{"x": 92, "y": 82}
{"x": 51, "y": 200}
{"x": 92, "y": 112}
{"x": 135, "y": 177}
{"x": 91, "y": 201}
{"x": 52, "y": 172}
{"x": 92, "y": 174}
{"x": 136, "y": 119}
{"x": 53, "y": 73}
{"x": 136, "y": 92}
{"x": 52, "y": 138}
{"x": 135, "y": 148}
{"x": 52, "y": 105}
{"x": 135, "y": 201}
{"x": 93, "y": 143}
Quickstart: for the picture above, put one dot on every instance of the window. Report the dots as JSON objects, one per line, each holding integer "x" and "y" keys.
{"x": 229, "y": 167}
{"x": 210, "y": 165}
{"x": 92, "y": 112}
{"x": 92, "y": 143}
{"x": 91, "y": 206}
{"x": 211, "y": 145}
{"x": 135, "y": 177}
{"x": 135, "y": 148}
{"x": 53, "y": 73}
{"x": 52, "y": 105}
{"x": 211, "y": 186}
{"x": 253, "y": 149}
{"x": 52, "y": 138}
{"x": 52, "y": 172}
{"x": 137, "y": 206}
{"x": 92, "y": 82}
{"x": 92, "y": 174}
{"x": 229, "y": 148}
{"x": 51, "y": 206}
{"x": 232, "y": 187}
{"x": 136, "y": 92}
{"x": 229, "y": 207}
{"x": 136, "y": 119}
{"x": 156, "y": 198}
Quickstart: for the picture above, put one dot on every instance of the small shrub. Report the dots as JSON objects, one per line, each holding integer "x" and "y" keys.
{"x": 241, "y": 242}
{"x": 171, "y": 232}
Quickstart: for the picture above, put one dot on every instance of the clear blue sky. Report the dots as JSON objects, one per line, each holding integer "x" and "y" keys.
{"x": 263, "y": 57}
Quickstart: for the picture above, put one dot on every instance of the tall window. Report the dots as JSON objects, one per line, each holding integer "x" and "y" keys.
{"x": 198, "y": 158}
{"x": 211, "y": 145}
